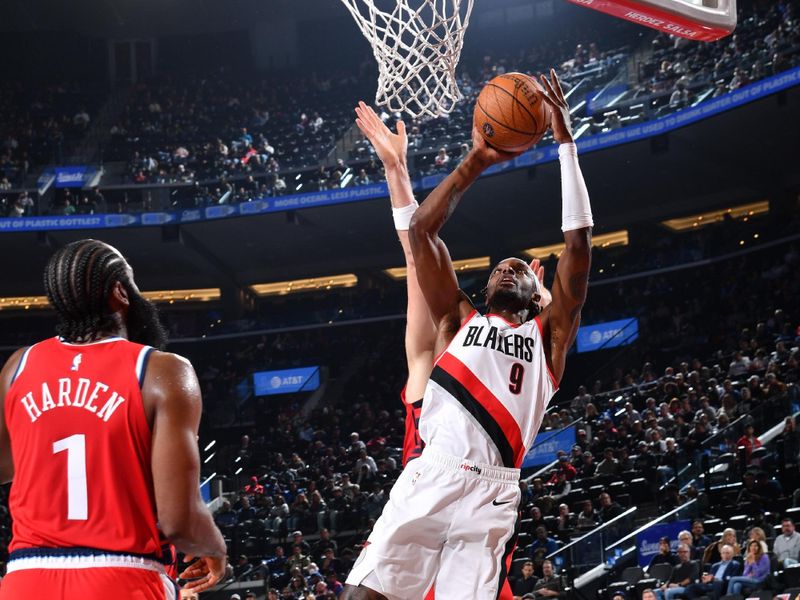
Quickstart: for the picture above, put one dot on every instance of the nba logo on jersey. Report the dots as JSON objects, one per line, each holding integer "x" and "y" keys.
{"x": 76, "y": 362}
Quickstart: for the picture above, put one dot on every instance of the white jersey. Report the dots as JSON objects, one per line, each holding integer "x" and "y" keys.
{"x": 488, "y": 392}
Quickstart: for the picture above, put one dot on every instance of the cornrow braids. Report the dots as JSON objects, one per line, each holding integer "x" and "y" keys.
{"x": 78, "y": 280}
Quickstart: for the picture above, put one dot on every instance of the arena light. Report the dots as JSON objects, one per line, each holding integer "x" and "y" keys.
{"x": 481, "y": 263}
{"x": 176, "y": 296}
{"x": 24, "y": 303}
{"x": 743, "y": 211}
{"x": 161, "y": 296}
{"x": 310, "y": 284}
{"x": 603, "y": 240}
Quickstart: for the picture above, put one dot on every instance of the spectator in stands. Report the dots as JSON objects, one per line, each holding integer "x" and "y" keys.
{"x": 740, "y": 365}
{"x": 297, "y": 559}
{"x": 609, "y": 465}
{"x": 565, "y": 468}
{"x": 333, "y": 583}
{"x": 297, "y": 540}
{"x": 362, "y": 178}
{"x": 561, "y": 488}
{"x": 242, "y": 567}
{"x": 648, "y": 594}
{"x": 664, "y": 554}
{"x": 699, "y": 539}
{"x": 566, "y": 521}
{"x": 757, "y": 534}
{"x": 525, "y": 583}
{"x": 548, "y": 585}
{"x": 756, "y": 569}
{"x": 579, "y": 402}
{"x": 787, "y": 545}
{"x": 325, "y": 541}
{"x": 254, "y": 488}
{"x": 679, "y": 97}
{"x": 684, "y": 573}
{"x": 588, "y": 468}
{"x": 442, "y": 159}
{"x": 712, "y": 553}
{"x": 542, "y": 541}
{"x": 246, "y": 511}
{"x": 685, "y": 537}
{"x": 226, "y": 516}
{"x": 716, "y": 580}
{"x": 537, "y": 518}
{"x": 329, "y": 562}
{"x": 276, "y": 567}
{"x": 748, "y": 440}
{"x": 609, "y": 509}
{"x": 587, "y": 518}
{"x": 668, "y": 461}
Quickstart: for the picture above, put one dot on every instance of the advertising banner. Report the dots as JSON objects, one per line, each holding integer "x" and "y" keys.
{"x": 544, "y": 452}
{"x": 287, "y": 381}
{"x": 611, "y": 334}
{"x": 647, "y": 540}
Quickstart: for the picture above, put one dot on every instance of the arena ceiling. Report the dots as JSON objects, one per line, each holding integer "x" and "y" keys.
{"x": 744, "y": 155}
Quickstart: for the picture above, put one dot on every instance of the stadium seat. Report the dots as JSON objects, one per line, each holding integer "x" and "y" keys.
{"x": 791, "y": 576}
{"x": 661, "y": 572}
{"x": 643, "y": 584}
{"x": 632, "y": 575}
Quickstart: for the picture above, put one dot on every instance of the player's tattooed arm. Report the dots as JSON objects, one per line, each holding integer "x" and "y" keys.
{"x": 561, "y": 320}
{"x": 435, "y": 273}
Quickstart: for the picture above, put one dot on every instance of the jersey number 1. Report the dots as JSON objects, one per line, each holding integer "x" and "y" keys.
{"x": 77, "y": 494}
{"x": 515, "y": 378}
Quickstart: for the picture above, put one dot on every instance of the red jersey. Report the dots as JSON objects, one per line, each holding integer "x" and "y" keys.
{"x": 82, "y": 448}
{"x": 412, "y": 442}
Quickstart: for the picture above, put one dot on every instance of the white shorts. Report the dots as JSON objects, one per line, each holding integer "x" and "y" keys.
{"x": 450, "y": 523}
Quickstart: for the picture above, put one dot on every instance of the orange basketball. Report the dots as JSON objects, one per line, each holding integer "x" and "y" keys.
{"x": 511, "y": 113}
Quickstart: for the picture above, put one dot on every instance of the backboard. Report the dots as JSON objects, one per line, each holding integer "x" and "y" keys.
{"x": 702, "y": 20}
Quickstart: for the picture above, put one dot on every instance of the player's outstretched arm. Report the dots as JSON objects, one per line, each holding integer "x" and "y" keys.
{"x": 172, "y": 389}
{"x": 437, "y": 279}
{"x": 6, "y": 376}
{"x": 560, "y": 322}
{"x": 392, "y": 149}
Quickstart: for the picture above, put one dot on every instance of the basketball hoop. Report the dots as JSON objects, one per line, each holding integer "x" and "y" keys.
{"x": 417, "y": 44}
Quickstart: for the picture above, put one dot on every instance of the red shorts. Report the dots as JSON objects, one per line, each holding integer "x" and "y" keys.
{"x": 87, "y": 578}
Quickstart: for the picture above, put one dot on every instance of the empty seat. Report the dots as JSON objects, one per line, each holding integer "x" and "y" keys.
{"x": 632, "y": 574}
{"x": 660, "y": 572}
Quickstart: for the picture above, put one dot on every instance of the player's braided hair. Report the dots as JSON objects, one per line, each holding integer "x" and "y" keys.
{"x": 77, "y": 280}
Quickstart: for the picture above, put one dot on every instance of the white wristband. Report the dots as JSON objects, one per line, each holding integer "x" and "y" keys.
{"x": 402, "y": 216}
{"x": 576, "y": 212}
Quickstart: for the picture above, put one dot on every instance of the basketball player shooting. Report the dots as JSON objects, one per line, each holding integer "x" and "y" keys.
{"x": 451, "y": 516}
{"x": 420, "y": 337}
{"x": 98, "y": 430}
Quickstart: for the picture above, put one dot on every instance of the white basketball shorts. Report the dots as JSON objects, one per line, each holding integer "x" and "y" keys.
{"x": 450, "y": 523}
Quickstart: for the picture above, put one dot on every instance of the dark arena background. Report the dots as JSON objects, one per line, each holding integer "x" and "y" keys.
{"x": 213, "y": 143}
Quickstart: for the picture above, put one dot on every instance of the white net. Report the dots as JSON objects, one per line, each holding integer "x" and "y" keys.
{"x": 417, "y": 44}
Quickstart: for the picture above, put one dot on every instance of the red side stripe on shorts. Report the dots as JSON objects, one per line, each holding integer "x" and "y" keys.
{"x": 461, "y": 373}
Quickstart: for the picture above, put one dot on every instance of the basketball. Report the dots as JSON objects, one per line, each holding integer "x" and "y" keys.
{"x": 511, "y": 113}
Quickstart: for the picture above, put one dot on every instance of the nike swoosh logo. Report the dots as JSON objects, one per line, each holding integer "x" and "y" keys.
{"x": 496, "y": 503}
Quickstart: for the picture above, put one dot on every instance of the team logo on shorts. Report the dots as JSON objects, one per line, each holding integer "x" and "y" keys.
{"x": 416, "y": 476}
{"x": 472, "y": 468}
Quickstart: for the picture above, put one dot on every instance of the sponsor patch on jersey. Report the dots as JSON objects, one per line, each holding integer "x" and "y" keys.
{"x": 473, "y": 468}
